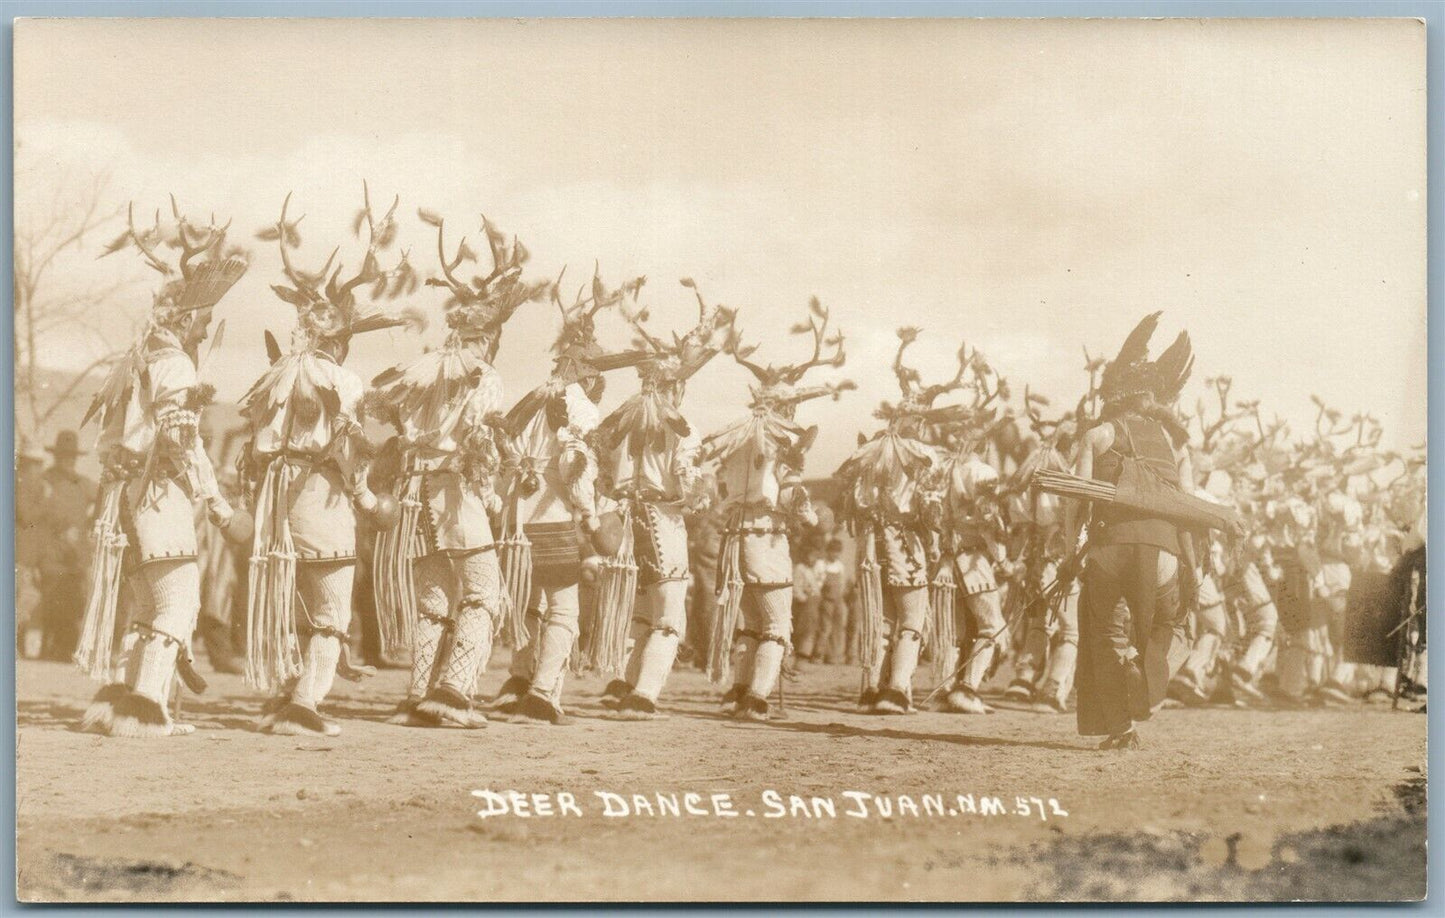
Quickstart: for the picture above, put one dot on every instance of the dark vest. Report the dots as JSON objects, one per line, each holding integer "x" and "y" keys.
{"x": 1146, "y": 440}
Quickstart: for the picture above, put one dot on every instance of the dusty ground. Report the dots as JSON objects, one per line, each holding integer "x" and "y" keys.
{"x": 1220, "y": 804}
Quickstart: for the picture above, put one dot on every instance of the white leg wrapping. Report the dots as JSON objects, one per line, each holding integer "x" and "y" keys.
{"x": 174, "y": 589}
{"x": 767, "y": 664}
{"x": 768, "y": 615}
{"x": 986, "y": 612}
{"x": 524, "y": 658}
{"x": 1256, "y": 652}
{"x": 744, "y": 657}
{"x": 1064, "y": 654}
{"x": 558, "y": 634}
{"x": 1202, "y": 655}
{"x": 911, "y": 612}
{"x": 157, "y": 665}
{"x": 903, "y": 660}
{"x": 325, "y": 593}
{"x": 643, "y": 618}
{"x": 175, "y": 593}
{"x": 659, "y": 650}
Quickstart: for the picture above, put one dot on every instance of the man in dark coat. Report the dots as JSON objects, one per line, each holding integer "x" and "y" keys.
{"x": 67, "y": 504}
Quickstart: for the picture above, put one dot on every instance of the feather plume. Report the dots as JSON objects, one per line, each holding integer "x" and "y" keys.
{"x": 1173, "y": 368}
{"x": 1136, "y": 346}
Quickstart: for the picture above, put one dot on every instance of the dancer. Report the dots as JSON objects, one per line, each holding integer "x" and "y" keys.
{"x": 647, "y": 453}
{"x": 974, "y": 535}
{"x": 549, "y": 491}
{"x": 305, "y": 471}
{"x": 154, "y": 473}
{"x": 438, "y": 580}
{"x": 761, "y": 494}
{"x": 893, "y": 505}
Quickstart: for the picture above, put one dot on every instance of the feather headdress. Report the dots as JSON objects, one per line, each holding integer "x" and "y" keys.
{"x": 1132, "y": 373}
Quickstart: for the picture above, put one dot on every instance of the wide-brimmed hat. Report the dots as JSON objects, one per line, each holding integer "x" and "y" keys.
{"x": 67, "y": 443}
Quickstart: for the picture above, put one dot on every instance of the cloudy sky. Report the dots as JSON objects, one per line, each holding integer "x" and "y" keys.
{"x": 1033, "y": 187}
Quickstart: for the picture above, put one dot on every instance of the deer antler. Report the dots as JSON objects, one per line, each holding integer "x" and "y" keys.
{"x": 379, "y": 235}
{"x": 818, "y": 319}
{"x": 636, "y": 318}
{"x": 740, "y": 354}
{"x": 507, "y": 261}
{"x": 1210, "y": 431}
{"x": 1326, "y": 413}
{"x": 1033, "y": 413}
{"x": 286, "y": 237}
{"x": 459, "y": 288}
{"x": 983, "y": 396}
{"x": 906, "y": 376}
{"x": 147, "y": 248}
{"x": 590, "y": 298}
{"x": 601, "y": 297}
{"x": 212, "y": 240}
{"x": 965, "y": 360}
{"x": 506, "y": 258}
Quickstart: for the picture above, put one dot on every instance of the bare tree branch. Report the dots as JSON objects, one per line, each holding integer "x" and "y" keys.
{"x": 55, "y": 224}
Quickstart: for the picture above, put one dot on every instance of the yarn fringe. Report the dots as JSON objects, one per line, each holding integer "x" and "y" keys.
{"x": 514, "y": 553}
{"x": 273, "y": 653}
{"x": 870, "y": 601}
{"x": 729, "y": 612}
{"x": 392, "y": 582}
{"x": 95, "y": 653}
{"x": 943, "y": 606}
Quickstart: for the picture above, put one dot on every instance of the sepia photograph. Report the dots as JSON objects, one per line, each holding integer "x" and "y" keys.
{"x": 737, "y": 460}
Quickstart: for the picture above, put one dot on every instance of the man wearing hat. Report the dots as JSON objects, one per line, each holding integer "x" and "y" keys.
{"x": 1129, "y": 649}
{"x": 67, "y": 501}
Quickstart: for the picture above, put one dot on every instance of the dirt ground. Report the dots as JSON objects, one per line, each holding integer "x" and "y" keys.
{"x": 1220, "y": 804}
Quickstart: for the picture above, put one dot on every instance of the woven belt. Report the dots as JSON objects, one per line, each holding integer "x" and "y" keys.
{"x": 758, "y": 530}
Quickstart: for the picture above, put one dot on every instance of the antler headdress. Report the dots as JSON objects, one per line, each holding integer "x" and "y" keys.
{"x": 577, "y": 353}
{"x": 916, "y": 403}
{"x": 189, "y": 287}
{"x": 778, "y": 385}
{"x": 669, "y": 364}
{"x": 326, "y": 305}
{"x": 480, "y": 306}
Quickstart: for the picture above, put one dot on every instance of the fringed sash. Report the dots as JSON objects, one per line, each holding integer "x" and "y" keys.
{"x": 95, "y": 652}
{"x": 273, "y": 654}
{"x": 729, "y": 613}
{"x": 943, "y": 603}
{"x": 870, "y": 599}
{"x": 514, "y": 553}
{"x": 391, "y": 574}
